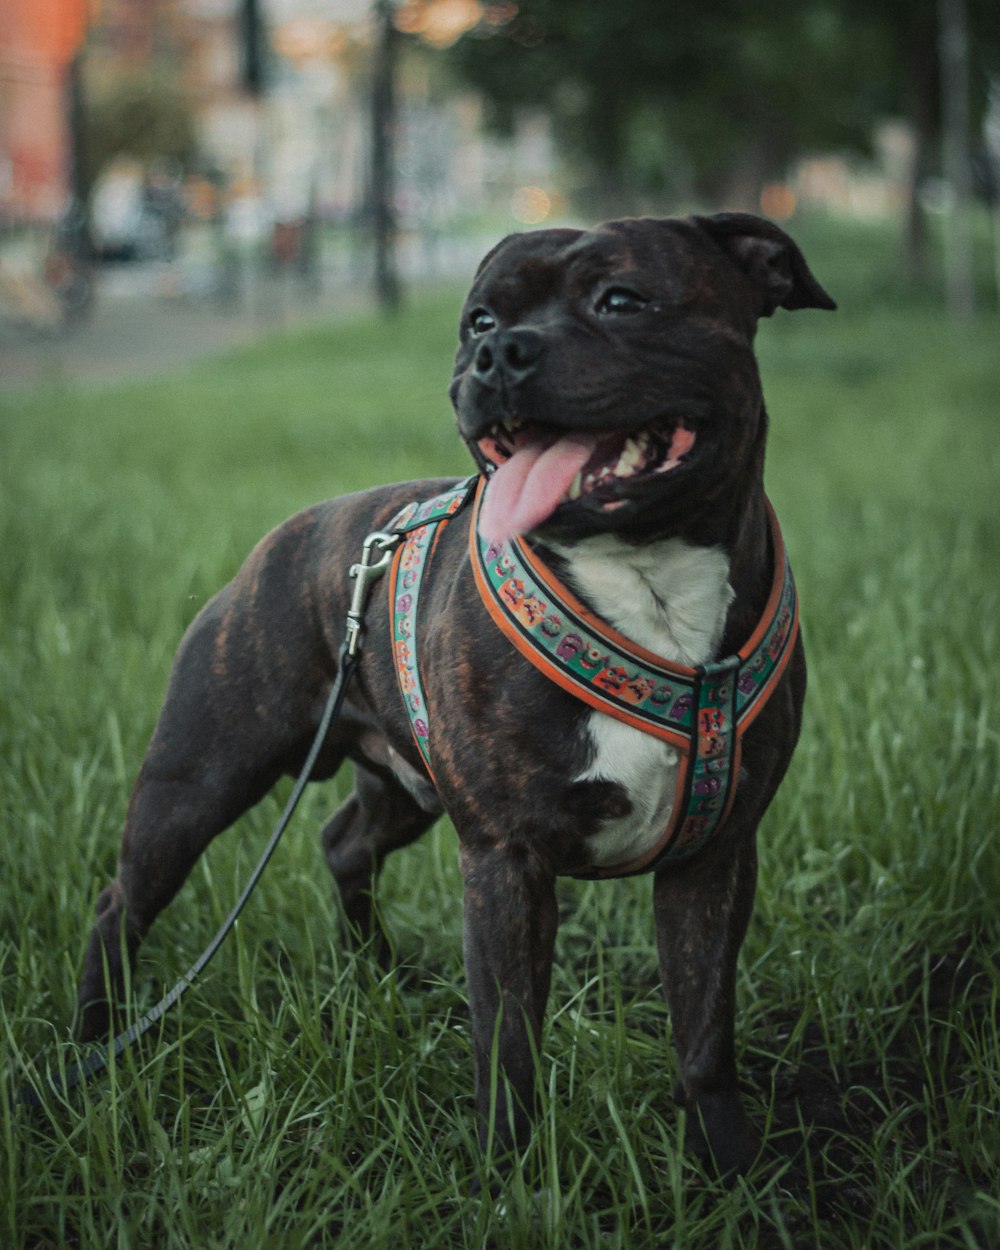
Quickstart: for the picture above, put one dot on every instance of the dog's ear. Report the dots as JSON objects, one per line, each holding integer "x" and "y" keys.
{"x": 770, "y": 258}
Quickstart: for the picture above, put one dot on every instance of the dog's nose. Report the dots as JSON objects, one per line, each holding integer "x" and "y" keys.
{"x": 507, "y": 355}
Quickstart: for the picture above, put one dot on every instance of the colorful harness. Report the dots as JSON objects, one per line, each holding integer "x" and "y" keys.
{"x": 702, "y": 711}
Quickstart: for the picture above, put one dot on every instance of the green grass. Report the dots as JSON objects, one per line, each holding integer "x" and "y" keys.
{"x": 298, "y": 1099}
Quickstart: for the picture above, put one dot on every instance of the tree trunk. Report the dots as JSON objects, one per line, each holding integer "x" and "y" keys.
{"x": 959, "y": 266}
{"x": 252, "y": 47}
{"x": 923, "y": 109}
{"x": 75, "y": 222}
{"x": 387, "y": 291}
{"x": 992, "y": 133}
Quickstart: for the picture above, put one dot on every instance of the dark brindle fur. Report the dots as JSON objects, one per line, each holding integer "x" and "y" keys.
{"x": 636, "y": 325}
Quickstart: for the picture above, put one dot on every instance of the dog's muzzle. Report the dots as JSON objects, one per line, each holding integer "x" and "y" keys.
{"x": 534, "y": 470}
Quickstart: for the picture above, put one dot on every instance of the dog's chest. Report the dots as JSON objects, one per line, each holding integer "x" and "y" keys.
{"x": 672, "y": 599}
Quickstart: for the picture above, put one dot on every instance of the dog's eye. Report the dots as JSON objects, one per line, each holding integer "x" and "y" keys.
{"x": 480, "y": 321}
{"x": 620, "y": 301}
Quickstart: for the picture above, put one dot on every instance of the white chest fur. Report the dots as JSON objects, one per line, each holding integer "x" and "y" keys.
{"x": 672, "y": 599}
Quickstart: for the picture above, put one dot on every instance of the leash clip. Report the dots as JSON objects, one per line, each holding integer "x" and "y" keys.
{"x": 365, "y": 574}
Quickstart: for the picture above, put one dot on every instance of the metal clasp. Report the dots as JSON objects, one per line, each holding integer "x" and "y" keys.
{"x": 365, "y": 574}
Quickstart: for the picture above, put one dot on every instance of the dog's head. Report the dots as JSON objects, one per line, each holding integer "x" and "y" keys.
{"x": 605, "y": 379}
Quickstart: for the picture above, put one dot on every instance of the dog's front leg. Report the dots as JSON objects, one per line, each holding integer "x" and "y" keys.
{"x": 510, "y": 928}
{"x": 702, "y": 910}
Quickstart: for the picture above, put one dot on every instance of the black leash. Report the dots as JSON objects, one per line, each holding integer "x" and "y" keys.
{"x": 100, "y": 1056}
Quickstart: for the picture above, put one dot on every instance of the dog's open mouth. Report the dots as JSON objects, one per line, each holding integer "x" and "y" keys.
{"x": 532, "y": 470}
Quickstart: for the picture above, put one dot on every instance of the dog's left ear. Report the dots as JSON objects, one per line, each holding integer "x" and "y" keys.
{"x": 770, "y": 258}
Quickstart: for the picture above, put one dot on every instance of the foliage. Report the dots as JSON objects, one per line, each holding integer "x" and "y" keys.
{"x": 299, "y": 1098}
{"x": 701, "y": 99}
{"x": 143, "y": 116}
{"x": 714, "y": 81}
{"x": 909, "y": 30}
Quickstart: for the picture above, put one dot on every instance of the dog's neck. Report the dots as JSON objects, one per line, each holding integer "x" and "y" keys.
{"x": 689, "y": 599}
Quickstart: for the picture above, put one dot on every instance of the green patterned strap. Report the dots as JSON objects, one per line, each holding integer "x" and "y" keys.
{"x": 420, "y": 523}
{"x": 703, "y": 710}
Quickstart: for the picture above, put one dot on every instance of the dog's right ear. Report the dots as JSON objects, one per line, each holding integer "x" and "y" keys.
{"x": 770, "y": 258}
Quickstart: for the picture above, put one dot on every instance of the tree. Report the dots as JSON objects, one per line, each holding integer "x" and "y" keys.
{"x": 383, "y": 123}
{"x": 142, "y": 116}
{"x": 954, "y": 57}
{"x": 709, "y": 100}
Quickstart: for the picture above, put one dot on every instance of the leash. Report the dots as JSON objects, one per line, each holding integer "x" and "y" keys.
{"x": 375, "y": 558}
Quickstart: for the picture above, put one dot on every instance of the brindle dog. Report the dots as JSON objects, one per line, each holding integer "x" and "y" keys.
{"x": 606, "y": 386}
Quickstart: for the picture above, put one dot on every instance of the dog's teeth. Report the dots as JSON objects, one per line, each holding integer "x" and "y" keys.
{"x": 631, "y": 459}
{"x": 576, "y": 487}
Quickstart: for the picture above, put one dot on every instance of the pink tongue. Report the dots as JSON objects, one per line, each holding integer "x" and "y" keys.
{"x": 525, "y": 489}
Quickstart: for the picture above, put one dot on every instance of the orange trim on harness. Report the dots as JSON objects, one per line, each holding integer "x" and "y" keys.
{"x": 702, "y": 711}
{"x": 712, "y": 706}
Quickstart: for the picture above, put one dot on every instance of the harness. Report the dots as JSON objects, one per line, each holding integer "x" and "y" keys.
{"x": 702, "y": 711}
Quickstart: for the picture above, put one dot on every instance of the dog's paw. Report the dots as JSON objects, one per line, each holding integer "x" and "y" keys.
{"x": 720, "y": 1136}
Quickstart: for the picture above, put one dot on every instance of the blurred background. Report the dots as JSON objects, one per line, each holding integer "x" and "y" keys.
{"x": 179, "y": 178}
{"x": 252, "y": 162}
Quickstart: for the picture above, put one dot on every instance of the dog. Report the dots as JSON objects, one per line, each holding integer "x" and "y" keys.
{"x": 606, "y": 386}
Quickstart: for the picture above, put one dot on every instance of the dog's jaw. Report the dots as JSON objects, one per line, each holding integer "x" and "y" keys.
{"x": 535, "y": 473}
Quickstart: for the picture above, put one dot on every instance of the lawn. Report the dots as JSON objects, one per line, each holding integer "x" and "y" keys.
{"x": 298, "y": 1098}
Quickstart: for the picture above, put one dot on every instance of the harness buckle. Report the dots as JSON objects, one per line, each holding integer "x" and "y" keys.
{"x": 365, "y": 574}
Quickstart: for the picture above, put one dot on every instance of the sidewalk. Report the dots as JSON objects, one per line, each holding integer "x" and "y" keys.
{"x": 140, "y": 326}
{"x": 149, "y": 319}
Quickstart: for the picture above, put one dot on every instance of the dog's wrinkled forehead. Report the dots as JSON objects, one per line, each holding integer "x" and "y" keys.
{"x": 733, "y": 265}
{"x": 665, "y": 258}
{"x": 524, "y": 270}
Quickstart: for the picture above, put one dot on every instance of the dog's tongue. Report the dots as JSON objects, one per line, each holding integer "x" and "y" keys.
{"x": 526, "y": 489}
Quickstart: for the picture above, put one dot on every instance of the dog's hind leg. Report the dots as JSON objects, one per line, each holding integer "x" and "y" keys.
{"x": 172, "y": 817}
{"x": 231, "y": 725}
{"x": 378, "y": 817}
{"x": 702, "y": 909}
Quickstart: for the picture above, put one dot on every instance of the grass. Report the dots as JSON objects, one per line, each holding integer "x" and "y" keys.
{"x": 296, "y": 1098}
